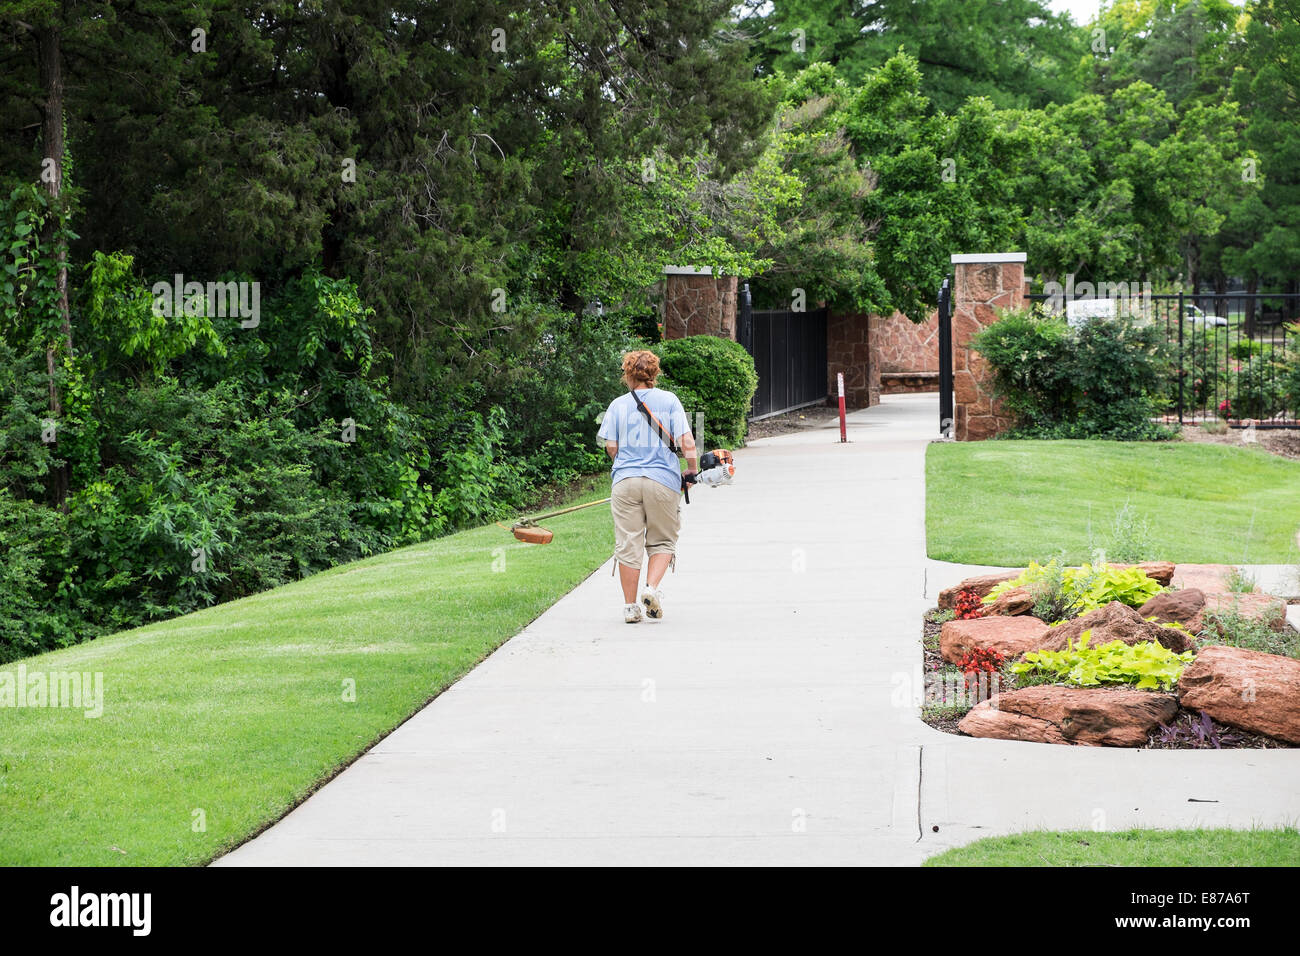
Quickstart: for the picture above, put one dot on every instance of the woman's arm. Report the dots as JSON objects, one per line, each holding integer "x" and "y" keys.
{"x": 687, "y": 444}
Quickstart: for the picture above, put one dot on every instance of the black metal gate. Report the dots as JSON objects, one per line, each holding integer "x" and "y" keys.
{"x": 945, "y": 358}
{"x": 789, "y": 350}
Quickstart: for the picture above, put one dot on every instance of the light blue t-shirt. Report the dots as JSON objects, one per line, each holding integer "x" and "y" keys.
{"x": 641, "y": 452}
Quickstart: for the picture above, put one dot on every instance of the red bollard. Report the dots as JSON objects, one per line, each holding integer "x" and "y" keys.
{"x": 839, "y": 376}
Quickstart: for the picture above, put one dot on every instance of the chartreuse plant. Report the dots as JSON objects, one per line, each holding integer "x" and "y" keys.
{"x": 1069, "y": 592}
{"x": 1146, "y": 665}
{"x": 1097, "y": 587}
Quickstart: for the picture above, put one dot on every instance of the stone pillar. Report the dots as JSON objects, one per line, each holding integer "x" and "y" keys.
{"x": 982, "y": 283}
{"x": 696, "y": 302}
{"x": 849, "y": 349}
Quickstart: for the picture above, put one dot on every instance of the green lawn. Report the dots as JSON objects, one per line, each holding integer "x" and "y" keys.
{"x": 1130, "y": 848}
{"x": 238, "y": 711}
{"x": 1008, "y": 502}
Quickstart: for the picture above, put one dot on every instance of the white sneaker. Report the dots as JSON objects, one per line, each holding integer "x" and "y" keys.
{"x": 653, "y": 599}
{"x": 632, "y": 613}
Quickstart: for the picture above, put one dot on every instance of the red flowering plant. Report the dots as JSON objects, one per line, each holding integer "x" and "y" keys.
{"x": 968, "y": 604}
{"x": 1225, "y": 408}
{"x": 981, "y": 659}
{"x": 977, "y": 661}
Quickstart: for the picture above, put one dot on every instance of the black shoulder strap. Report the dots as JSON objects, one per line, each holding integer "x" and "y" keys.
{"x": 656, "y": 424}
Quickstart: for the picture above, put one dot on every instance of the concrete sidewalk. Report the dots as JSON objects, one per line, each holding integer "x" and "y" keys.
{"x": 768, "y": 719}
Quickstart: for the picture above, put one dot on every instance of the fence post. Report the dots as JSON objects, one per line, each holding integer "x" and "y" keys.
{"x": 1182, "y": 373}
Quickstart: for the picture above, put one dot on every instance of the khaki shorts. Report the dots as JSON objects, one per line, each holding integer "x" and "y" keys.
{"x": 647, "y": 517}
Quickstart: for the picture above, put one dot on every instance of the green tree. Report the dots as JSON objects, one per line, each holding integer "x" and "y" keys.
{"x": 1015, "y": 53}
{"x": 1270, "y": 92}
{"x": 1189, "y": 49}
{"x": 943, "y": 182}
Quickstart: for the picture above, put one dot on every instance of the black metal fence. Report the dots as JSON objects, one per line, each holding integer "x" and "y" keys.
{"x": 789, "y": 350}
{"x": 1235, "y": 355}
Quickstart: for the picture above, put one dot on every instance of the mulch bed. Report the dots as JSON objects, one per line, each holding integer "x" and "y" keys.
{"x": 1230, "y": 738}
{"x": 813, "y": 416}
{"x": 947, "y": 724}
{"x": 1283, "y": 442}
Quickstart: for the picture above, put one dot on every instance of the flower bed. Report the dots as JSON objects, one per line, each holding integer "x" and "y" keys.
{"x": 1113, "y": 655}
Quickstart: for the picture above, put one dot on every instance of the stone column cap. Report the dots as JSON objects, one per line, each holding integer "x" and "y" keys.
{"x": 689, "y": 271}
{"x": 962, "y": 257}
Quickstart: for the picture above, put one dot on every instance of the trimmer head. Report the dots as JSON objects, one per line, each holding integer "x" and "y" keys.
{"x": 526, "y": 530}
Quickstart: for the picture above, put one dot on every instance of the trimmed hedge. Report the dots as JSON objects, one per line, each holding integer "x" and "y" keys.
{"x": 712, "y": 376}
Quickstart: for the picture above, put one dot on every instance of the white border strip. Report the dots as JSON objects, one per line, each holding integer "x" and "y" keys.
{"x": 961, "y": 257}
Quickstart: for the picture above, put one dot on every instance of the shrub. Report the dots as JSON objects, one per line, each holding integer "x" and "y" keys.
{"x": 31, "y": 540}
{"x": 555, "y": 395}
{"x": 1291, "y": 382}
{"x": 1244, "y": 349}
{"x": 1103, "y": 379}
{"x": 1146, "y": 664}
{"x": 1028, "y": 351}
{"x": 715, "y": 377}
{"x": 478, "y": 484}
{"x": 1256, "y": 389}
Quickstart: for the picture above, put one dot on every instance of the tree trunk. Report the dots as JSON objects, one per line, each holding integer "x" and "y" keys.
{"x": 50, "y": 58}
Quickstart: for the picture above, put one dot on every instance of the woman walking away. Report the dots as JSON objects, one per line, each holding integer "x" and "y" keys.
{"x": 644, "y": 432}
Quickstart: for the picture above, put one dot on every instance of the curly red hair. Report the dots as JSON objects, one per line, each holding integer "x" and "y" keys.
{"x": 640, "y": 369}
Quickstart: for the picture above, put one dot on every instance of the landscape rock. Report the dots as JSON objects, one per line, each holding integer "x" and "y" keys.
{"x": 1257, "y": 606}
{"x": 1010, "y": 636}
{"x": 981, "y": 584}
{"x": 1161, "y": 571}
{"x": 1115, "y": 622}
{"x": 1207, "y": 578}
{"x": 1090, "y": 716}
{"x": 1252, "y": 690}
{"x": 1175, "y": 607}
{"x": 1011, "y": 603}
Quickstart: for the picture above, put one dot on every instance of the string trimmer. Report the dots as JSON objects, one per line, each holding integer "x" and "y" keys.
{"x": 525, "y": 529}
{"x": 718, "y": 468}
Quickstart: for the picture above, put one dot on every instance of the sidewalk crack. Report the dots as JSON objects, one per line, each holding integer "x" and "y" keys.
{"x": 920, "y": 777}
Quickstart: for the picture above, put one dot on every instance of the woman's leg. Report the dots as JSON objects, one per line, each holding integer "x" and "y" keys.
{"x": 663, "y": 522}
{"x": 628, "y": 577}
{"x": 654, "y": 572}
{"x": 629, "y": 532}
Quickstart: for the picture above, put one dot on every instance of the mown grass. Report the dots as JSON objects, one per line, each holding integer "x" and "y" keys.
{"x": 1130, "y": 848}
{"x": 1009, "y": 502}
{"x": 230, "y": 716}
